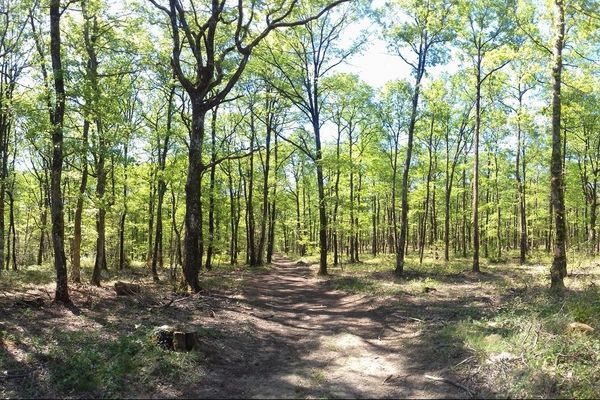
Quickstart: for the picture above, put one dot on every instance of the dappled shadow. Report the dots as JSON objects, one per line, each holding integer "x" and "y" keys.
{"x": 302, "y": 338}
{"x": 279, "y": 332}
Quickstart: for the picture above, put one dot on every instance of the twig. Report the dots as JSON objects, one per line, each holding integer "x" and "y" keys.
{"x": 450, "y": 382}
{"x": 464, "y": 361}
{"x": 15, "y": 376}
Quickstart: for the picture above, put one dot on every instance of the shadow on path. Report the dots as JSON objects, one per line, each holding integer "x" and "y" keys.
{"x": 296, "y": 337}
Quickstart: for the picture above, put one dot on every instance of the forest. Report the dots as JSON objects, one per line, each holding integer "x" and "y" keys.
{"x": 282, "y": 198}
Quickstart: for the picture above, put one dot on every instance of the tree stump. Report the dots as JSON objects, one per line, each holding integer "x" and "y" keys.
{"x": 127, "y": 289}
{"x": 170, "y": 338}
{"x": 179, "y": 341}
{"x": 163, "y": 337}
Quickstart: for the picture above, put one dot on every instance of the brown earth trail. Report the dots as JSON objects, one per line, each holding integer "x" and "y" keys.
{"x": 296, "y": 337}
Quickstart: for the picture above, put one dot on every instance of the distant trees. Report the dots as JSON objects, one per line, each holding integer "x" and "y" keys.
{"x": 230, "y": 132}
{"x": 218, "y": 65}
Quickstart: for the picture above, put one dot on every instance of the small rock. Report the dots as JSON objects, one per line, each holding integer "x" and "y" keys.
{"x": 579, "y": 327}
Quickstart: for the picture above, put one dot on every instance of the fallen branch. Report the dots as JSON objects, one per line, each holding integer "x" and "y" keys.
{"x": 464, "y": 361}
{"x": 15, "y": 376}
{"x": 450, "y": 382}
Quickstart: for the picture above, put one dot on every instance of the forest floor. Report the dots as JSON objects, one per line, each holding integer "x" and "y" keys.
{"x": 281, "y": 331}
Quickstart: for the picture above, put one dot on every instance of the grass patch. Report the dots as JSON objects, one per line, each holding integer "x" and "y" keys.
{"x": 528, "y": 349}
{"x": 89, "y": 363}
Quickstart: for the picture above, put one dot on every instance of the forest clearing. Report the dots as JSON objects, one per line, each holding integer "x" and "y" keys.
{"x": 299, "y": 199}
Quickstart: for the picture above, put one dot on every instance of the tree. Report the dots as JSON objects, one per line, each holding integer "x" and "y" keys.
{"x": 217, "y": 65}
{"x": 487, "y": 29}
{"x": 57, "y": 114}
{"x": 427, "y": 30}
{"x": 299, "y": 80}
{"x": 559, "y": 263}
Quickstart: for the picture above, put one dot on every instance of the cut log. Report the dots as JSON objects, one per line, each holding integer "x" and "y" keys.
{"x": 190, "y": 340}
{"x": 179, "y": 341}
{"x": 171, "y": 338}
{"x": 127, "y": 289}
{"x": 36, "y": 302}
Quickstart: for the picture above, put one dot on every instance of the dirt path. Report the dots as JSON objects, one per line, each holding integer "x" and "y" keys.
{"x": 290, "y": 335}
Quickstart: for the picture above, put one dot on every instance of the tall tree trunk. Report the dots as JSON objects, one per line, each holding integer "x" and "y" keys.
{"x": 163, "y": 148}
{"x": 234, "y": 215}
{"x": 101, "y": 214}
{"x": 265, "y": 199}
{"x": 409, "y": 147}
{"x": 123, "y": 218}
{"x": 57, "y": 114}
{"x": 211, "y": 193}
{"x": 273, "y": 209}
{"x": 322, "y": 207}
{"x": 252, "y": 257}
{"x": 559, "y": 263}
{"x": 429, "y": 171}
{"x": 193, "y": 222}
{"x": 13, "y": 231}
{"x": 76, "y": 249}
{"x": 475, "y": 206}
{"x": 521, "y": 185}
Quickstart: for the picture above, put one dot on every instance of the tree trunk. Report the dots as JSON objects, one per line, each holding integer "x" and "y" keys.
{"x": 101, "y": 215}
{"x": 211, "y": 194}
{"x": 265, "y": 199}
{"x": 322, "y": 208}
{"x": 475, "y": 206}
{"x": 57, "y": 114}
{"x": 123, "y": 218}
{"x": 273, "y": 210}
{"x": 193, "y": 223}
{"x": 521, "y": 187}
{"x": 409, "y": 147}
{"x": 429, "y": 172}
{"x": 559, "y": 263}
{"x": 76, "y": 249}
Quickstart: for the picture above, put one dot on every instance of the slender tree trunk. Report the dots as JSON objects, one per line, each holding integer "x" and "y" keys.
{"x": 57, "y": 114}
{"x": 123, "y": 218}
{"x": 429, "y": 172}
{"x": 13, "y": 231}
{"x": 273, "y": 209}
{"x": 322, "y": 207}
{"x": 475, "y": 206}
{"x": 252, "y": 258}
{"x": 211, "y": 194}
{"x": 409, "y": 147}
{"x": 101, "y": 215}
{"x": 559, "y": 264}
{"x": 265, "y": 199}
{"x": 76, "y": 249}
{"x": 521, "y": 187}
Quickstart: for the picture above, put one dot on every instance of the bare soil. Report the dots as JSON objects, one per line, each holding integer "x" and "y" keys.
{"x": 285, "y": 333}
{"x": 293, "y": 336}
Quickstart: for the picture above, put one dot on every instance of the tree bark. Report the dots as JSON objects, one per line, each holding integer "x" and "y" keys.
{"x": 475, "y": 204}
{"x": 57, "y": 117}
{"x": 559, "y": 263}
{"x": 193, "y": 223}
{"x": 76, "y": 249}
{"x": 211, "y": 194}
